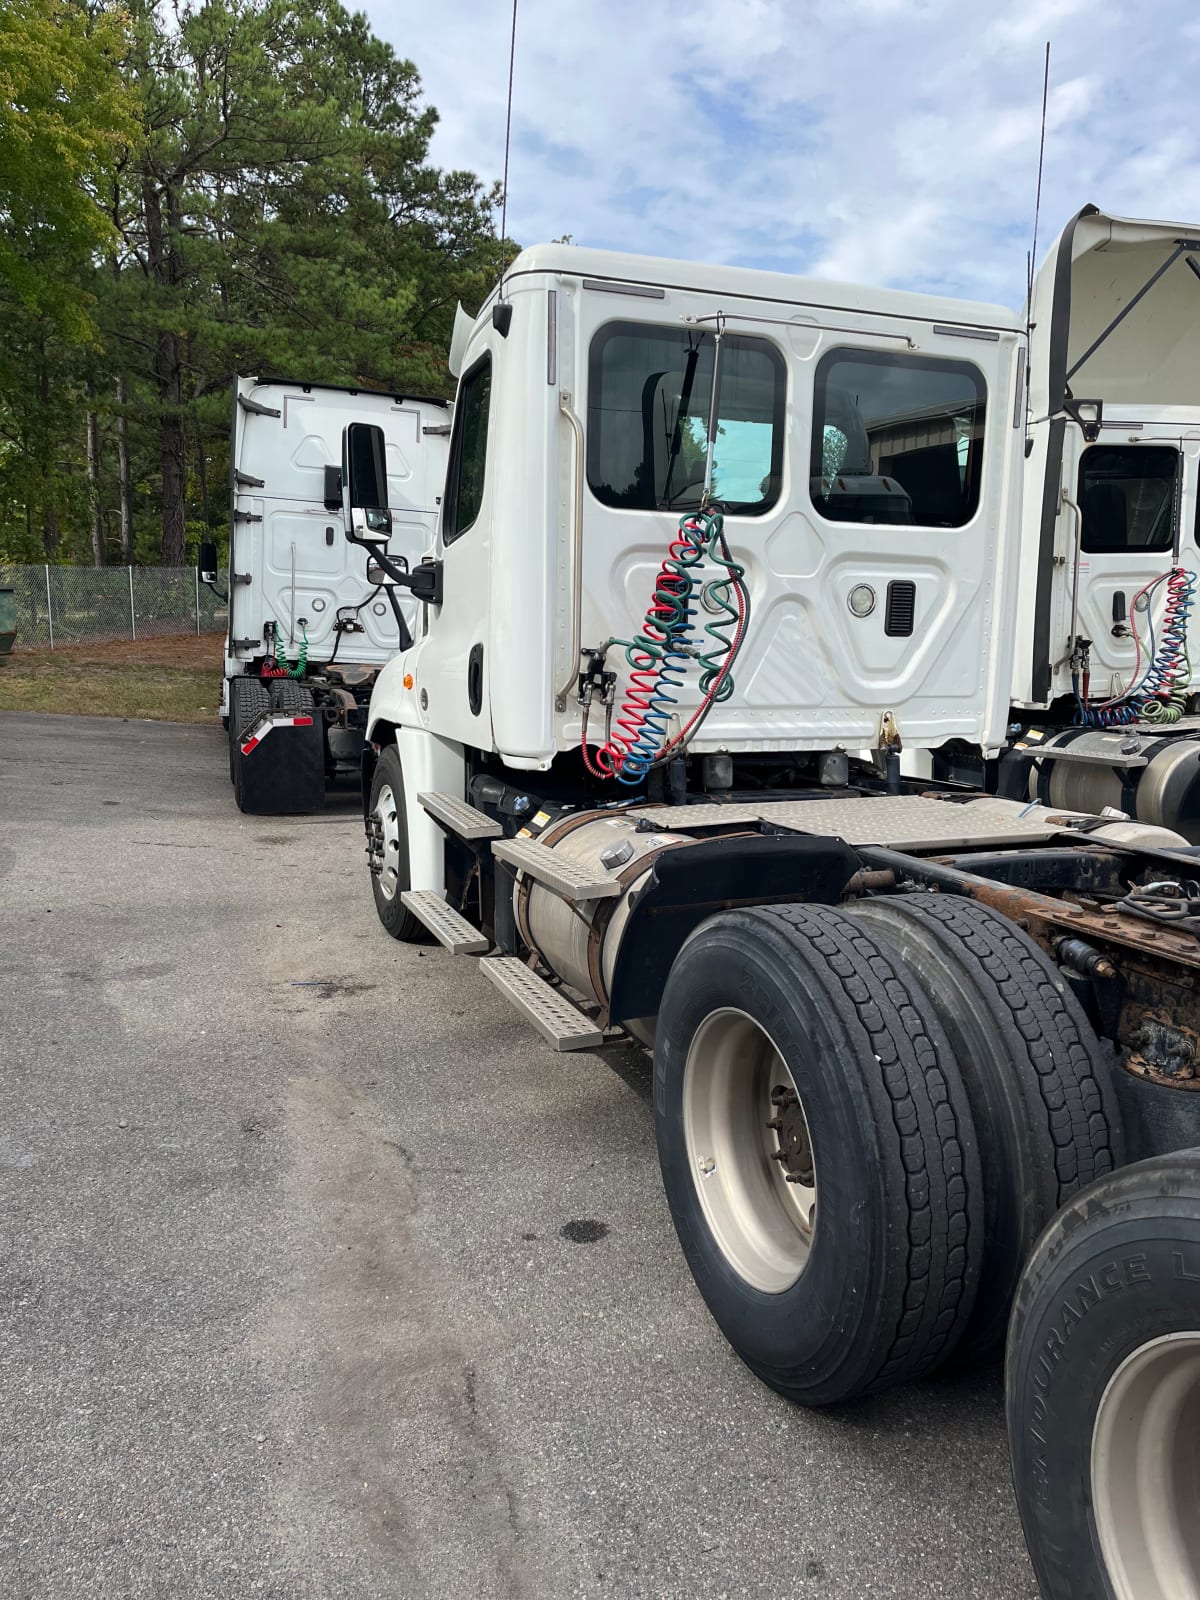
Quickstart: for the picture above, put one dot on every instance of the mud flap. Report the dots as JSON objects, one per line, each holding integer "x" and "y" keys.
{"x": 279, "y": 765}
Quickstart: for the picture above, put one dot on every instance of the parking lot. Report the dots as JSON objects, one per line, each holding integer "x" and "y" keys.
{"x": 321, "y": 1276}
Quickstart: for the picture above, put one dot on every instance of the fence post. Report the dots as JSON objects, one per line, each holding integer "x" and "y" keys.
{"x": 132, "y": 612}
{"x": 49, "y": 606}
{"x": 197, "y": 570}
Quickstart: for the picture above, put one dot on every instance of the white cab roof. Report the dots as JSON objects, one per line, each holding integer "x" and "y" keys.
{"x": 748, "y": 283}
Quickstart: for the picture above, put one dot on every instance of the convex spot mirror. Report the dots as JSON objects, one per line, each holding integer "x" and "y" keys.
{"x": 377, "y": 576}
{"x": 206, "y": 562}
{"x": 364, "y": 484}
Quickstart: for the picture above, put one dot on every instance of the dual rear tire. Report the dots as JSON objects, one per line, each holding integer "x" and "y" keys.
{"x": 855, "y": 1172}
{"x": 1103, "y": 1389}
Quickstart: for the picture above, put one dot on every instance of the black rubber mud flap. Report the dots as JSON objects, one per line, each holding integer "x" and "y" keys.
{"x": 283, "y": 775}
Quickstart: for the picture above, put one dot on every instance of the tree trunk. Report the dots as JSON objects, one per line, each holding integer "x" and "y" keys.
{"x": 50, "y": 529}
{"x": 95, "y": 514}
{"x": 202, "y": 474}
{"x": 124, "y": 488}
{"x": 167, "y": 266}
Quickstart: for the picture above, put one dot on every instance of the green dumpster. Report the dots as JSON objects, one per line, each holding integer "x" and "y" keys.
{"x": 8, "y": 620}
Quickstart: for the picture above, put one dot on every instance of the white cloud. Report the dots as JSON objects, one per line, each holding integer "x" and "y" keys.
{"x": 889, "y": 141}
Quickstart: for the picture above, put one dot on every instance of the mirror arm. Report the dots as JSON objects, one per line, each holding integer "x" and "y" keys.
{"x": 406, "y": 638}
{"x": 425, "y": 581}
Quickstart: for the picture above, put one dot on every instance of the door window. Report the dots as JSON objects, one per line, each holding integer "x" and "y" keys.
{"x": 1127, "y": 497}
{"x": 897, "y": 439}
{"x": 649, "y": 394}
{"x": 468, "y": 452}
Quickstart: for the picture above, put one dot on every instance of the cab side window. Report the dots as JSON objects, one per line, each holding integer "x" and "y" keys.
{"x": 897, "y": 439}
{"x": 468, "y": 452}
{"x": 1127, "y": 497}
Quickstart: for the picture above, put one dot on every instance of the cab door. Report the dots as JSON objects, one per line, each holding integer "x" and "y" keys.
{"x": 449, "y": 663}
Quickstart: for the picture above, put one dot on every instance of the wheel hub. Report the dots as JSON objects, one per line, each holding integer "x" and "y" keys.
{"x": 383, "y": 843}
{"x": 374, "y": 846}
{"x": 791, "y": 1131}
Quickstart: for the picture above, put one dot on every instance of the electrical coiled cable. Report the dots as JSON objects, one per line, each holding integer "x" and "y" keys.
{"x": 659, "y": 655}
{"x": 1161, "y": 693}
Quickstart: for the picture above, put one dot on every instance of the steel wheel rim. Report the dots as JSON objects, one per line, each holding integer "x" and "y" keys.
{"x": 762, "y": 1223}
{"x": 1146, "y": 1471}
{"x": 388, "y": 814}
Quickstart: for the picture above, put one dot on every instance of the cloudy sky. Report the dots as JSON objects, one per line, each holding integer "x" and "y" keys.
{"x": 881, "y": 141}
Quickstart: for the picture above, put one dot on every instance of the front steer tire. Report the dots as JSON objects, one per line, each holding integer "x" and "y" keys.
{"x": 884, "y": 1276}
{"x": 386, "y": 813}
{"x": 1103, "y": 1389}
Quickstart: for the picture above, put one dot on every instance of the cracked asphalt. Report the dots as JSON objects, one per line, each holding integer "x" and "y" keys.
{"x": 320, "y": 1276}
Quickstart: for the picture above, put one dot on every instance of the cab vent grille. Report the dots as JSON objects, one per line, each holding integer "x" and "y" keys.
{"x": 901, "y": 608}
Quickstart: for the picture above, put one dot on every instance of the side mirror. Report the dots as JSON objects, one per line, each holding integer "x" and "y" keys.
{"x": 364, "y": 484}
{"x": 206, "y": 562}
{"x": 379, "y": 577}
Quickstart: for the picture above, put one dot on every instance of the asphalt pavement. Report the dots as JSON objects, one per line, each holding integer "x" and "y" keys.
{"x": 322, "y": 1278}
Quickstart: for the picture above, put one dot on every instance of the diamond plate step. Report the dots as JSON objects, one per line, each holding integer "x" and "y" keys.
{"x": 558, "y": 872}
{"x": 460, "y": 817}
{"x": 444, "y": 923}
{"x": 554, "y": 1017}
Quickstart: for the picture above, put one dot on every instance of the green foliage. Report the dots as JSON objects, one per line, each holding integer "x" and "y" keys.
{"x": 273, "y": 212}
{"x": 66, "y": 115}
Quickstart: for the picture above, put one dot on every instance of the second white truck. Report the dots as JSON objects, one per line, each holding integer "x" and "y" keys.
{"x": 308, "y": 628}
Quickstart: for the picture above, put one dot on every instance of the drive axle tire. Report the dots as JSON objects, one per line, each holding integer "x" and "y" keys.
{"x": 387, "y": 816}
{"x": 248, "y": 699}
{"x": 1038, "y": 1083}
{"x": 817, "y": 1152}
{"x": 1103, "y": 1389}
{"x": 288, "y": 695}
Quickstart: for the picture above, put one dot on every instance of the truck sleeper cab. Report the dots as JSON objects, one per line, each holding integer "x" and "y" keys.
{"x": 884, "y": 1010}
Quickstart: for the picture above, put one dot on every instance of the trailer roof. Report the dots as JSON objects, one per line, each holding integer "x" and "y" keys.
{"x": 751, "y": 283}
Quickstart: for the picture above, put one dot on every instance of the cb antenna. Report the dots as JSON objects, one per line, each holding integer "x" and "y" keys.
{"x": 501, "y": 313}
{"x": 1031, "y": 259}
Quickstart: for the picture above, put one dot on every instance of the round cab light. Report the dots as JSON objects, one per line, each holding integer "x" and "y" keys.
{"x": 861, "y": 600}
{"x": 408, "y": 680}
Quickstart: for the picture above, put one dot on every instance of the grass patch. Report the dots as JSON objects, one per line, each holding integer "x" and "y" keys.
{"x": 166, "y": 680}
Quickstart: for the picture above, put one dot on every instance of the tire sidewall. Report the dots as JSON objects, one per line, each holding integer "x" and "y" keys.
{"x": 802, "y": 1337}
{"x": 393, "y": 914}
{"x": 1099, "y": 1296}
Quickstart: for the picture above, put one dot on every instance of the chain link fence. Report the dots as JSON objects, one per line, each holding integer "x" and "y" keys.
{"x": 59, "y": 606}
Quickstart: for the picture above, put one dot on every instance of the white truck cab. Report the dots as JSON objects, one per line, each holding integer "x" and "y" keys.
{"x": 1114, "y": 441}
{"x": 1104, "y": 683}
{"x": 308, "y": 627}
{"x": 867, "y": 458}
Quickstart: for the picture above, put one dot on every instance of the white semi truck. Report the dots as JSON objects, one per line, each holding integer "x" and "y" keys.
{"x": 1104, "y": 691}
{"x": 308, "y": 629}
{"x": 721, "y": 554}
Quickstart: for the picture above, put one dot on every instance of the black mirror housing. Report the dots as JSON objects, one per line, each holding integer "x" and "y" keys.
{"x": 206, "y": 561}
{"x": 364, "y": 484}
